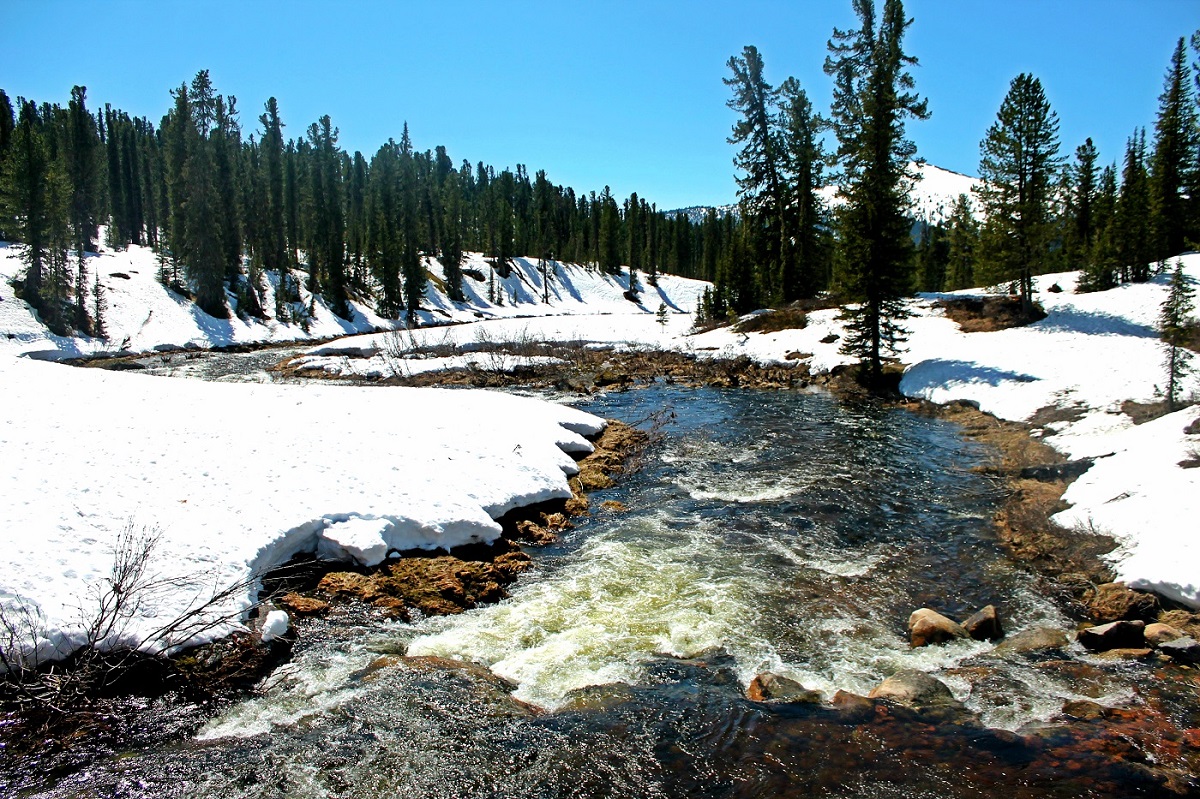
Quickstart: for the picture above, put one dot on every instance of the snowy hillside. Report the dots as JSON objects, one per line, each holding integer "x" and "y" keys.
{"x": 933, "y": 195}
{"x": 143, "y": 316}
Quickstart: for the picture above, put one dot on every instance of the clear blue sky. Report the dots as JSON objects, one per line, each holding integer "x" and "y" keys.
{"x": 623, "y": 93}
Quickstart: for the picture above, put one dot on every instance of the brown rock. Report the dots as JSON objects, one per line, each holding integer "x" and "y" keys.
{"x": 915, "y": 689}
{"x": 927, "y": 626}
{"x": 1183, "y": 620}
{"x": 1116, "y": 602}
{"x": 394, "y": 607}
{"x": 303, "y": 605}
{"x": 1037, "y": 641}
{"x": 985, "y": 625}
{"x": 1083, "y": 709}
{"x": 1114, "y": 635}
{"x": 853, "y": 707}
{"x": 1159, "y": 633}
{"x": 1126, "y": 653}
{"x": 556, "y": 522}
{"x": 768, "y": 687}
{"x": 577, "y": 505}
{"x": 612, "y": 506}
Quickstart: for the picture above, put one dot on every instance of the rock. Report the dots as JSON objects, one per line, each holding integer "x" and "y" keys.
{"x": 556, "y": 522}
{"x": 768, "y": 687}
{"x": 829, "y": 339}
{"x": 985, "y": 625}
{"x": 927, "y": 626}
{"x": 1182, "y": 650}
{"x": 1159, "y": 633}
{"x": 303, "y": 605}
{"x": 1114, "y": 635}
{"x": 1083, "y": 709}
{"x": 914, "y": 689}
{"x": 1183, "y": 620}
{"x": 852, "y": 707}
{"x": 1037, "y": 641}
{"x": 1116, "y": 602}
{"x": 577, "y": 505}
{"x": 1126, "y": 653}
{"x": 612, "y": 506}
{"x": 344, "y": 583}
{"x": 1053, "y": 472}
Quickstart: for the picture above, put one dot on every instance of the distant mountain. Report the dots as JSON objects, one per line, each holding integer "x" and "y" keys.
{"x": 933, "y": 197}
{"x": 696, "y": 213}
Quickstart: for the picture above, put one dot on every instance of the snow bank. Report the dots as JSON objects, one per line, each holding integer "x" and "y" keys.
{"x": 239, "y": 478}
{"x": 143, "y": 316}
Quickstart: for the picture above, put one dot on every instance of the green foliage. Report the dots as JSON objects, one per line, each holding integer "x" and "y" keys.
{"x": 1174, "y": 161}
{"x": 1174, "y": 324}
{"x": 1019, "y": 168}
{"x": 873, "y": 95}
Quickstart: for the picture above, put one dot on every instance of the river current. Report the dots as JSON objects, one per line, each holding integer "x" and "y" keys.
{"x": 764, "y": 531}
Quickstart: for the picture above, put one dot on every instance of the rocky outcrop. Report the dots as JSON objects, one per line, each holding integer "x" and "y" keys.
{"x": 927, "y": 627}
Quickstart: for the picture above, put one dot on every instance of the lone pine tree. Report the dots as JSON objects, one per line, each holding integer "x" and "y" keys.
{"x": 1174, "y": 326}
{"x": 1019, "y": 168}
{"x": 873, "y": 95}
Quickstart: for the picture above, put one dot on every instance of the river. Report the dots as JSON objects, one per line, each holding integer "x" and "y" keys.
{"x": 765, "y": 531}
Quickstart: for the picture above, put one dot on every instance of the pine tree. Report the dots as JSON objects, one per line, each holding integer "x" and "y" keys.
{"x": 761, "y": 189}
{"x": 609, "y": 234}
{"x": 1081, "y": 233}
{"x": 1176, "y": 139}
{"x": 873, "y": 95}
{"x": 1133, "y": 231}
{"x": 1174, "y": 324}
{"x": 806, "y": 266}
{"x": 1101, "y": 272}
{"x": 1019, "y": 167}
{"x": 963, "y": 245}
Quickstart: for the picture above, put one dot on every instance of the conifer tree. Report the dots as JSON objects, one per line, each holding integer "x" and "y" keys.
{"x": 805, "y": 268}
{"x": 873, "y": 95}
{"x": 1174, "y": 324}
{"x": 1133, "y": 231}
{"x": 609, "y": 234}
{"x": 1102, "y": 270}
{"x": 1176, "y": 143}
{"x": 963, "y": 244}
{"x": 1081, "y": 233}
{"x": 83, "y": 173}
{"x": 1019, "y": 167}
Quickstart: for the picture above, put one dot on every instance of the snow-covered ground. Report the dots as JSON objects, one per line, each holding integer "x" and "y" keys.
{"x": 237, "y": 478}
{"x": 933, "y": 196}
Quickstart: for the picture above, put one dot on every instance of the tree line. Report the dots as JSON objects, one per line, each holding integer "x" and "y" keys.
{"x": 1035, "y": 212}
{"x": 233, "y": 212}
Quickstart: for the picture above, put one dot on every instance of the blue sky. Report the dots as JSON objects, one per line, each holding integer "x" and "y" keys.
{"x": 623, "y": 93}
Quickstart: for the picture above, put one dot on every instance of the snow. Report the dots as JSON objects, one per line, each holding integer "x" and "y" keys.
{"x": 275, "y": 625}
{"x": 238, "y": 478}
{"x": 933, "y": 196}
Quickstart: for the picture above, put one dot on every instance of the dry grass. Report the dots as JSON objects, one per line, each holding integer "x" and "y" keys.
{"x": 988, "y": 314}
{"x": 773, "y": 321}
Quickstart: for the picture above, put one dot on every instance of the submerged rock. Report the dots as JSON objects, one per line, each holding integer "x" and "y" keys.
{"x": 927, "y": 626}
{"x": 985, "y": 625}
{"x": 1035, "y": 641}
{"x": 853, "y": 707}
{"x": 1114, "y": 635}
{"x": 914, "y": 689}
{"x": 769, "y": 687}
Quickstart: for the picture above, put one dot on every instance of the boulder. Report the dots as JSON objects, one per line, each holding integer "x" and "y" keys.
{"x": 985, "y": 625}
{"x": 914, "y": 689}
{"x": 1158, "y": 633}
{"x": 1083, "y": 709}
{"x": 1182, "y": 650}
{"x": 1114, "y": 635}
{"x": 1036, "y": 641}
{"x": 768, "y": 687}
{"x": 927, "y": 626}
{"x": 1116, "y": 602}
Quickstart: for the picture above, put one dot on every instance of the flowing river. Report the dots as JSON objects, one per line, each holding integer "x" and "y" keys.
{"x": 765, "y": 531}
